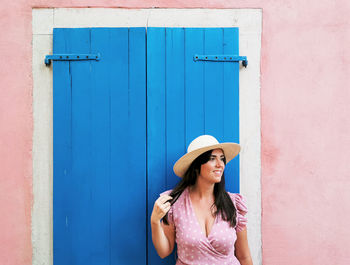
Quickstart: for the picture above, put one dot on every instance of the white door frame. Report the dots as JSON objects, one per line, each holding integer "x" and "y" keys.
{"x": 44, "y": 20}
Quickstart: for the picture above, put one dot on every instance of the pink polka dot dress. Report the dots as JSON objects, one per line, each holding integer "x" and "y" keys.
{"x": 193, "y": 246}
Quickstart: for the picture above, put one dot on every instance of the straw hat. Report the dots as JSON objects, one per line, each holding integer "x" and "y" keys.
{"x": 200, "y": 145}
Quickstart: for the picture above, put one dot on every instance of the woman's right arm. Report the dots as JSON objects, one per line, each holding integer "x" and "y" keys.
{"x": 163, "y": 236}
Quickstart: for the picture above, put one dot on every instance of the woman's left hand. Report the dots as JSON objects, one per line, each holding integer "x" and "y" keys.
{"x": 160, "y": 208}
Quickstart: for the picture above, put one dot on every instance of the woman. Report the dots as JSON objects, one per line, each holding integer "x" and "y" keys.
{"x": 205, "y": 221}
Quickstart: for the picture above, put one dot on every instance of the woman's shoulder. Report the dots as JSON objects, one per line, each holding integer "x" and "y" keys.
{"x": 239, "y": 202}
{"x": 179, "y": 199}
{"x": 235, "y": 195}
{"x": 167, "y": 192}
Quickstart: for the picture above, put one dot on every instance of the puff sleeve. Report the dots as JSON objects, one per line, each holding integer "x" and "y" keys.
{"x": 240, "y": 205}
{"x": 171, "y": 211}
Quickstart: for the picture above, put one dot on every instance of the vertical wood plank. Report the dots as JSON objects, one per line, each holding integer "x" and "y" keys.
{"x": 175, "y": 101}
{"x": 156, "y": 124}
{"x": 62, "y": 153}
{"x": 119, "y": 149}
{"x": 80, "y": 196}
{"x": 100, "y": 148}
{"x": 194, "y": 84}
{"x": 213, "y": 84}
{"x": 137, "y": 141}
{"x": 231, "y": 105}
{"x": 128, "y": 147}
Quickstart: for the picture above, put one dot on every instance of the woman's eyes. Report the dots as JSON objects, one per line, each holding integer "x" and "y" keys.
{"x": 213, "y": 158}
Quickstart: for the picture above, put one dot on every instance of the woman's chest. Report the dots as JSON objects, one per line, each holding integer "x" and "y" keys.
{"x": 205, "y": 217}
{"x": 190, "y": 232}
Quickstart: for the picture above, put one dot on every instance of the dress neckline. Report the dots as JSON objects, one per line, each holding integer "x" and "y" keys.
{"x": 194, "y": 216}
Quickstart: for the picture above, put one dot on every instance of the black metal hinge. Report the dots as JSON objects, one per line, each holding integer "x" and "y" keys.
{"x": 71, "y": 57}
{"x": 222, "y": 58}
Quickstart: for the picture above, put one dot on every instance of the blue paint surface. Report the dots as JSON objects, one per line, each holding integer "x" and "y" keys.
{"x": 117, "y": 136}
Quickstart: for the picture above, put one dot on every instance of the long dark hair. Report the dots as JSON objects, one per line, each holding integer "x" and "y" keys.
{"x": 222, "y": 201}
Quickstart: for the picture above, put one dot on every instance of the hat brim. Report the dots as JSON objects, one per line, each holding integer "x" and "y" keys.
{"x": 231, "y": 150}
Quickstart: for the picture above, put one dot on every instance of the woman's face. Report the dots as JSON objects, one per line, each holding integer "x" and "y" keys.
{"x": 213, "y": 169}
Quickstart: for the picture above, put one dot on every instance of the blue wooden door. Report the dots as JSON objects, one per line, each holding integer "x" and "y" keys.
{"x": 186, "y": 99}
{"x": 117, "y": 136}
{"x": 100, "y": 148}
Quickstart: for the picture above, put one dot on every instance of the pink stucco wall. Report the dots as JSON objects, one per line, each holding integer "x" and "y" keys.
{"x": 305, "y": 73}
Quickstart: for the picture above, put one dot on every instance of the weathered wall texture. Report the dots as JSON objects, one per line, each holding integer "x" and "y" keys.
{"x": 305, "y": 68}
